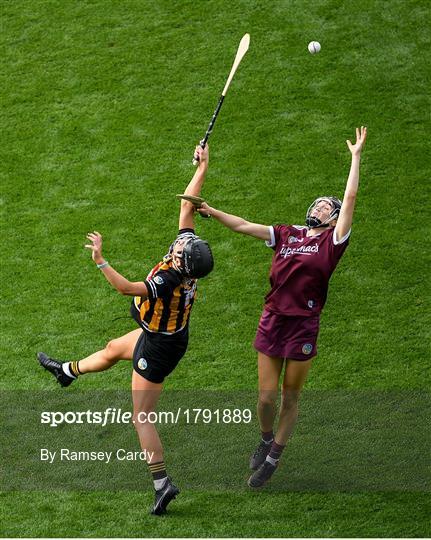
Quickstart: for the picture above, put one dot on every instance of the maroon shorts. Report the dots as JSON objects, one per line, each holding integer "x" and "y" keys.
{"x": 287, "y": 336}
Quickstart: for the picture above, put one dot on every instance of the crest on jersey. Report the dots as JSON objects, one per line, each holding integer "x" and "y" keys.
{"x": 293, "y": 239}
{"x": 158, "y": 279}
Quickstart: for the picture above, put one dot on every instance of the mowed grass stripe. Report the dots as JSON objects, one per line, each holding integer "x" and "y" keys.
{"x": 210, "y": 514}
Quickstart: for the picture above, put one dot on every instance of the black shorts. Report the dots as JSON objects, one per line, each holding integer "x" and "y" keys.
{"x": 156, "y": 355}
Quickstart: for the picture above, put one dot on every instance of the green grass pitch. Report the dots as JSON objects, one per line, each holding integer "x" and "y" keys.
{"x": 101, "y": 104}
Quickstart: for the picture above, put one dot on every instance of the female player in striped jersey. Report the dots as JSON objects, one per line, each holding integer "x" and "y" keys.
{"x": 304, "y": 259}
{"x": 161, "y": 306}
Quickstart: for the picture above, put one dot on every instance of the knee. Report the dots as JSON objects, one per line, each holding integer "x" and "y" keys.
{"x": 289, "y": 399}
{"x": 144, "y": 414}
{"x": 111, "y": 350}
{"x": 267, "y": 398}
{"x": 140, "y": 418}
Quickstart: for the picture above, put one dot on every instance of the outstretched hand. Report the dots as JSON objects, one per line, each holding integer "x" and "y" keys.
{"x": 95, "y": 246}
{"x": 361, "y": 136}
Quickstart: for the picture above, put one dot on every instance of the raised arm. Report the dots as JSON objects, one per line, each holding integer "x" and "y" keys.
{"x": 237, "y": 224}
{"x": 345, "y": 218}
{"x": 194, "y": 188}
{"x": 119, "y": 282}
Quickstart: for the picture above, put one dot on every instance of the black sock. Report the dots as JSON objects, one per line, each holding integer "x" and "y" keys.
{"x": 74, "y": 368}
{"x": 70, "y": 369}
{"x": 158, "y": 471}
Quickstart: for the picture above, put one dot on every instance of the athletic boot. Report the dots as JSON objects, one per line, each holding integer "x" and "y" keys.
{"x": 163, "y": 497}
{"x": 259, "y": 455}
{"x": 262, "y": 475}
{"x": 54, "y": 367}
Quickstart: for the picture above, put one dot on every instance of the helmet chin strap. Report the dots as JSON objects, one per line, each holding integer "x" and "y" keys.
{"x": 314, "y": 222}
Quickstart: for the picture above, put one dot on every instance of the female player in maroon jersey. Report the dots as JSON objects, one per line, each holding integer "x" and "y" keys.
{"x": 304, "y": 259}
{"x": 161, "y": 307}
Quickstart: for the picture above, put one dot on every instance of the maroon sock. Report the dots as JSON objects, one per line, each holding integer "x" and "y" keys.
{"x": 267, "y": 436}
{"x": 276, "y": 451}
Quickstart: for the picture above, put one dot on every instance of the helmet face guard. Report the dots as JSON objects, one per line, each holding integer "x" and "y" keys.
{"x": 313, "y": 222}
{"x": 196, "y": 259}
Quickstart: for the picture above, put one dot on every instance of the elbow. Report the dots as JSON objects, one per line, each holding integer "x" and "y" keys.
{"x": 241, "y": 227}
{"x": 187, "y": 207}
{"x": 133, "y": 288}
{"x": 350, "y": 196}
{"x": 122, "y": 291}
{"x": 125, "y": 289}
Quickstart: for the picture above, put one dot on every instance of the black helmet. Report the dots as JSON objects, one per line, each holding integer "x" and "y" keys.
{"x": 197, "y": 258}
{"x": 314, "y": 222}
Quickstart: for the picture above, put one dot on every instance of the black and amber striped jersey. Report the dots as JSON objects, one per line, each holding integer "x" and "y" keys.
{"x": 170, "y": 298}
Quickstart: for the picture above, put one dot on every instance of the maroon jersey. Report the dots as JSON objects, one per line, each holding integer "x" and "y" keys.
{"x": 301, "y": 268}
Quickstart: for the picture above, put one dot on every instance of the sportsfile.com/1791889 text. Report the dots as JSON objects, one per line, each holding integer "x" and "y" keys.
{"x": 111, "y": 415}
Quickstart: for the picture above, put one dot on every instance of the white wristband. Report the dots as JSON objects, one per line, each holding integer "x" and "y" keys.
{"x": 102, "y": 265}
